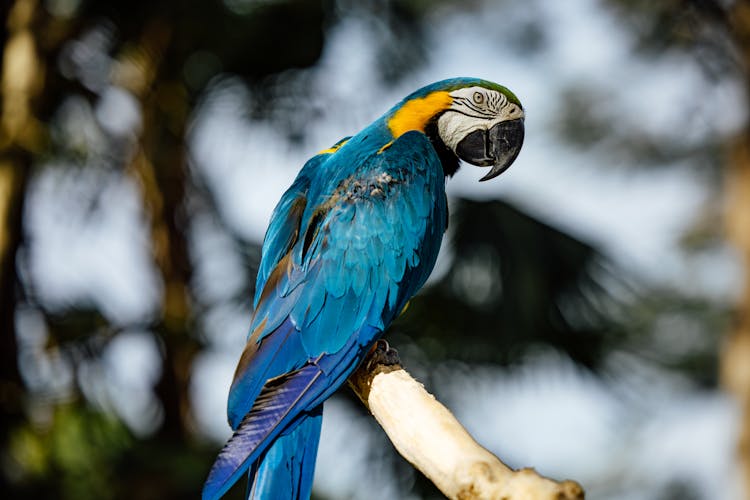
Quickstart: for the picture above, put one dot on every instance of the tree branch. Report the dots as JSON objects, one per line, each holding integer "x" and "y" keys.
{"x": 428, "y": 435}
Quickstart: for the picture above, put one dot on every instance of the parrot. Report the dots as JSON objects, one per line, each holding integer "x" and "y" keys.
{"x": 349, "y": 243}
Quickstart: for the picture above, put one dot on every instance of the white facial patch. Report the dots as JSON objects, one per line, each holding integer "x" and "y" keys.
{"x": 474, "y": 108}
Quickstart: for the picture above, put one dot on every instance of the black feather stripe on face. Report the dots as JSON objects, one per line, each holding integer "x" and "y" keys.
{"x": 447, "y": 157}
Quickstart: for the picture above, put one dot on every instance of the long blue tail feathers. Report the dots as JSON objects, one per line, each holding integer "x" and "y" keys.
{"x": 284, "y": 404}
{"x": 287, "y": 468}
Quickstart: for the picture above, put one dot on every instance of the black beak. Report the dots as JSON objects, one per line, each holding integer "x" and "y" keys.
{"x": 497, "y": 147}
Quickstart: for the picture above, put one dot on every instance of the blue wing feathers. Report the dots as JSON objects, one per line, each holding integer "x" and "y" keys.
{"x": 348, "y": 244}
{"x": 280, "y": 402}
{"x": 282, "y": 232}
{"x": 276, "y": 354}
{"x": 288, "y": 466}
{"x": 359, "y": 279}
{"x": 270, "y": 412}
{"x": 316, "y": 302}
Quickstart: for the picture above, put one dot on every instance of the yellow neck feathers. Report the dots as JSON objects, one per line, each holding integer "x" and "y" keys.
{"x": 415, "y": 114}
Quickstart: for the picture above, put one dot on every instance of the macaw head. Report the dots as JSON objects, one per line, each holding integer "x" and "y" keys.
{"x": 477, "y": 121}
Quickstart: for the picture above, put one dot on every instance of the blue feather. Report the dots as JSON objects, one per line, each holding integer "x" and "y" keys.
{"x": 266, "y": 420}
{"x": 266, "y": 364}
{"x": 316, "y": 298}
{"x": 286, "y": 471}
{"x": 359, "y": 279}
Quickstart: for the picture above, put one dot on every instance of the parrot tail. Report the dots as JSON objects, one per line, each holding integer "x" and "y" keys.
{"x": 281, "y": 412}
{"x": 288, "y": 408}
{"x": 285, "y": 472}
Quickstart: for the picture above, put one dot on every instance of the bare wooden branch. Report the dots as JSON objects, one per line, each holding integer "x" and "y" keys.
{"x": 428, "y": 435}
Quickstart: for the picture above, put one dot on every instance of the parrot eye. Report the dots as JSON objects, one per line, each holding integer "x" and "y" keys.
{"x": 478, "y": 98}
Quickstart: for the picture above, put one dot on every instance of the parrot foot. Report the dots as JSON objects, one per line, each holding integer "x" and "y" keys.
{"x": 382, "y": 354}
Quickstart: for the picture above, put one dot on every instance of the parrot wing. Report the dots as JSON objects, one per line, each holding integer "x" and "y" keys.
{"x": 347, "y": 272}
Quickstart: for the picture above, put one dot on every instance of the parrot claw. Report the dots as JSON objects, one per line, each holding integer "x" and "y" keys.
{"x": 382, "y": 354}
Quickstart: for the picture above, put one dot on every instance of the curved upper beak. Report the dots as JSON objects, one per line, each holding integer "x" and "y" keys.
{"x": 497, "y": 147}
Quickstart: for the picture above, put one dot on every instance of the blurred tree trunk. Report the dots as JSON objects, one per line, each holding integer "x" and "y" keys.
{"x": 20, "y": 136}
{"x": 736, "y": 355}
{"x": 160, "y": 168}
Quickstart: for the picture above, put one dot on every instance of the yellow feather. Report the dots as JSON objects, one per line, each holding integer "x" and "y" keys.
{"x": 415, "y": 114}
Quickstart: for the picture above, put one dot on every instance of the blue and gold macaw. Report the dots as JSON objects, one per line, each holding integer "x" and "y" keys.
{"x": 350, "y": 242}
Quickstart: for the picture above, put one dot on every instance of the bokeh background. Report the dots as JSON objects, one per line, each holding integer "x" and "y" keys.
{"x": 589, "y": 315}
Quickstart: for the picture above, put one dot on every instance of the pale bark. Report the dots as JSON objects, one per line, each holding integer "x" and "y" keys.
{"x": 428, "y": 435}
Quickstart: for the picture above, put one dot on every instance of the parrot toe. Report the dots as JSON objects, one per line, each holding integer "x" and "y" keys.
{"x": 382, "y": 354}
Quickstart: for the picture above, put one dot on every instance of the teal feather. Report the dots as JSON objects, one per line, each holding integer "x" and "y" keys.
{"x": 289, "y": 464}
